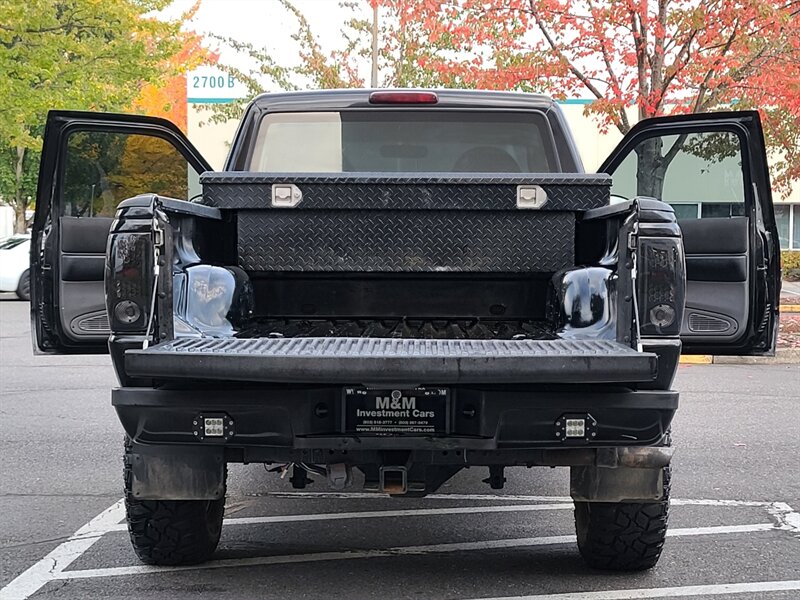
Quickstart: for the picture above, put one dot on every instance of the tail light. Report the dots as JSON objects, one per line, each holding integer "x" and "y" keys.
{"x": 129, "y": 281}
{"x": 661, "y": 285}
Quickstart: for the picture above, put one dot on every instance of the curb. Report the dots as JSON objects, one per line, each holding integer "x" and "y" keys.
{"x": 783, "y": 356}
{"x": 790, "y": 308}
{"x": 696, "y": 359}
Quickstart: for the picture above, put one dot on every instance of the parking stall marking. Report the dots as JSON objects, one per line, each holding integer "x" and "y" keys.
{"x": 377, "y": 496}
{"x": 504, "y": 497}
{"x": 390, "y": 552}
{"x": 53, "y": 566}
{"x": 47, "y": 569}
{"x": 786, "y": 516}
{"x": 383, "y": 514}
{"x": 669, "y": 592}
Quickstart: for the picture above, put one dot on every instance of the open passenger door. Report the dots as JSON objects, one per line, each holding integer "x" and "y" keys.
{"x": 712, "y": 169}
{"x": 90, "y": 163}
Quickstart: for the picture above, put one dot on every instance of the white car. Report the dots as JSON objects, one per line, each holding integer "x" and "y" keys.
{"x": 15, "y": 256}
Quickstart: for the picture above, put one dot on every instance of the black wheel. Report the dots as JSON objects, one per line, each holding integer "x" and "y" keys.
{"x": 622, "y": 536}
{"x": 24, "y": 286}
{"x": 172, "y": 532}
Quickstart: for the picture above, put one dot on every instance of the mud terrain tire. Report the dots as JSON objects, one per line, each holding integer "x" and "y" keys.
{"x": 622, "y": 536}
{"x": 171, "y": 532}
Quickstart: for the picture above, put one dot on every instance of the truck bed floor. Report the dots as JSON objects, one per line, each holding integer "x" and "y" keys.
{"x": 406, "y": 328}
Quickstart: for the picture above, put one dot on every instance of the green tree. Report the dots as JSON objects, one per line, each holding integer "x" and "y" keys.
{"x": 18, "y": 177}
{"x": 70, "y": 54}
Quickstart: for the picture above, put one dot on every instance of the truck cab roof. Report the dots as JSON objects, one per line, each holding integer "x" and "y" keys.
{"x": 359, "y": 98}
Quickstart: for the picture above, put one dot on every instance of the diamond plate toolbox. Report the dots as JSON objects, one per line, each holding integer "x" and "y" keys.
{"x": 404, "y": 223}
{"x": 565, "y": 192}
{"x": 405, "y": 241}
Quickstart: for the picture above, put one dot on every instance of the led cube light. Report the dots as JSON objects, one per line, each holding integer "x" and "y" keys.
{"x": 575, "y": 428}
{"x": 213, "y": 426}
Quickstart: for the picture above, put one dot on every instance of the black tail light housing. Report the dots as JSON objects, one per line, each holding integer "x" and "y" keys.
{"x": 661, "y": 285}
{"x": 129, "y": 280}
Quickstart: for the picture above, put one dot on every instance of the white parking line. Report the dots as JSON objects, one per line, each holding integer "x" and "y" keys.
{"x": 52, "y": 567}
{"x": 786, "y": 516}
{"x": 668, "y": 592}
{"x": 47, "y": 569}
{"x": 380, "y": 496}
{"x": 782, "y": 512}
{"x": 383, "y": 514}
{"x": 386, "y": 552}
{"x": 496, "y": 498}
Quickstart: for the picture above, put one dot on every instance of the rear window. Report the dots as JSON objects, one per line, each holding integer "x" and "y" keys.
{"x": 395, "y": 141}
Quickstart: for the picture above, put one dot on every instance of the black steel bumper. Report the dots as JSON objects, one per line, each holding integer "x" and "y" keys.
{"x": 292, "y": 423}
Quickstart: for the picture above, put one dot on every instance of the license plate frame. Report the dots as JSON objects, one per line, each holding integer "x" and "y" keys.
{"x": 396, "y": 411}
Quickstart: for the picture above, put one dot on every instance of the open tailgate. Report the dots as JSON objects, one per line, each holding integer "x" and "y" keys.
{"x": 395, "y": 361}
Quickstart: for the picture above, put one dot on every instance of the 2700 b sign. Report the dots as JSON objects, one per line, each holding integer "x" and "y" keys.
{"x": 416, "y": 411}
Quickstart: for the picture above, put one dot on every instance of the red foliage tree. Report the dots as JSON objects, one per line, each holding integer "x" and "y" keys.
{"x": 660, "y": 57}
{"x": 635, "y": 59}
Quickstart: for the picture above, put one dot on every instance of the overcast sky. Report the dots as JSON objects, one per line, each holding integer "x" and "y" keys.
{"x": 266, "y": 23}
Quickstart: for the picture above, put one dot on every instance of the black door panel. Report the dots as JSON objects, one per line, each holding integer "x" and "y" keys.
{"x": 83, "y": 267}
{"x": 90, "y": 163}
{"x": 715, "y": 309}
{"x": 713, "y": 166}
{"x": 82, "y": 270}
{"x": 715, "y": 235}
{"x": 84, "y": 235}
{"x": 717, "y": 296}
{"x": 716, "y": 268}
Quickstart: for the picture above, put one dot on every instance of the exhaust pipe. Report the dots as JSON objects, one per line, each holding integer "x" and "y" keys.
{"x": 393, "y": 480}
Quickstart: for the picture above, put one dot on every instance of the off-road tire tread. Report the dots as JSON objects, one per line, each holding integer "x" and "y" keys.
{"x": 622, "y": 536}
{"x": 171, "y": 532}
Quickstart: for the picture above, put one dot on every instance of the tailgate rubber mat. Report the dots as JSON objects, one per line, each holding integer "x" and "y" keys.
{"x": 395, "y": 361}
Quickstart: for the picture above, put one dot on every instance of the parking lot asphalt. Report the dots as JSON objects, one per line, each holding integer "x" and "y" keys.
{"x": 734, "y": 525}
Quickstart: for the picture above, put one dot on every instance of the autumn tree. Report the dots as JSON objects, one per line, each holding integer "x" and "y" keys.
{"x": 668, "y": 56}
{"x": 166, "y": 97}
{"x": 635, "y": 59}
{"x": 70, "y": 54}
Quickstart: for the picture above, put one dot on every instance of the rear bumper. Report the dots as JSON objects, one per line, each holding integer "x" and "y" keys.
{"x": 486, "y": 424}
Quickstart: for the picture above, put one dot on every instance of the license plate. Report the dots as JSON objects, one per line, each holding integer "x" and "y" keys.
{"x": 415, "y": 411}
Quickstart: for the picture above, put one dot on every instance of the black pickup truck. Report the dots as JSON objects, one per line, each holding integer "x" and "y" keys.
{"x": 386, "y": 287}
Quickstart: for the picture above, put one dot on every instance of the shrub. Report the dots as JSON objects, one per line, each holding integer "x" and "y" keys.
{"x": 790, "y": 265}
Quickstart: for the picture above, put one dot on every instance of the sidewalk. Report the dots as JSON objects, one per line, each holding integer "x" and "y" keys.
{"x": 790, "y": 295}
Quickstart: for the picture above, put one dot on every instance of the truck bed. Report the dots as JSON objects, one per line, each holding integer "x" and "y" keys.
{"x": 424, "y": 328}
{"x": 394, "y": 361}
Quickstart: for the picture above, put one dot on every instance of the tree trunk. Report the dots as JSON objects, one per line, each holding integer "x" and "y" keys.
{"x": 20, "y": 200}
{"x": 649, "y": 168}
{"x": 374, "y": 74}
{"x": 652, "y": 164}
